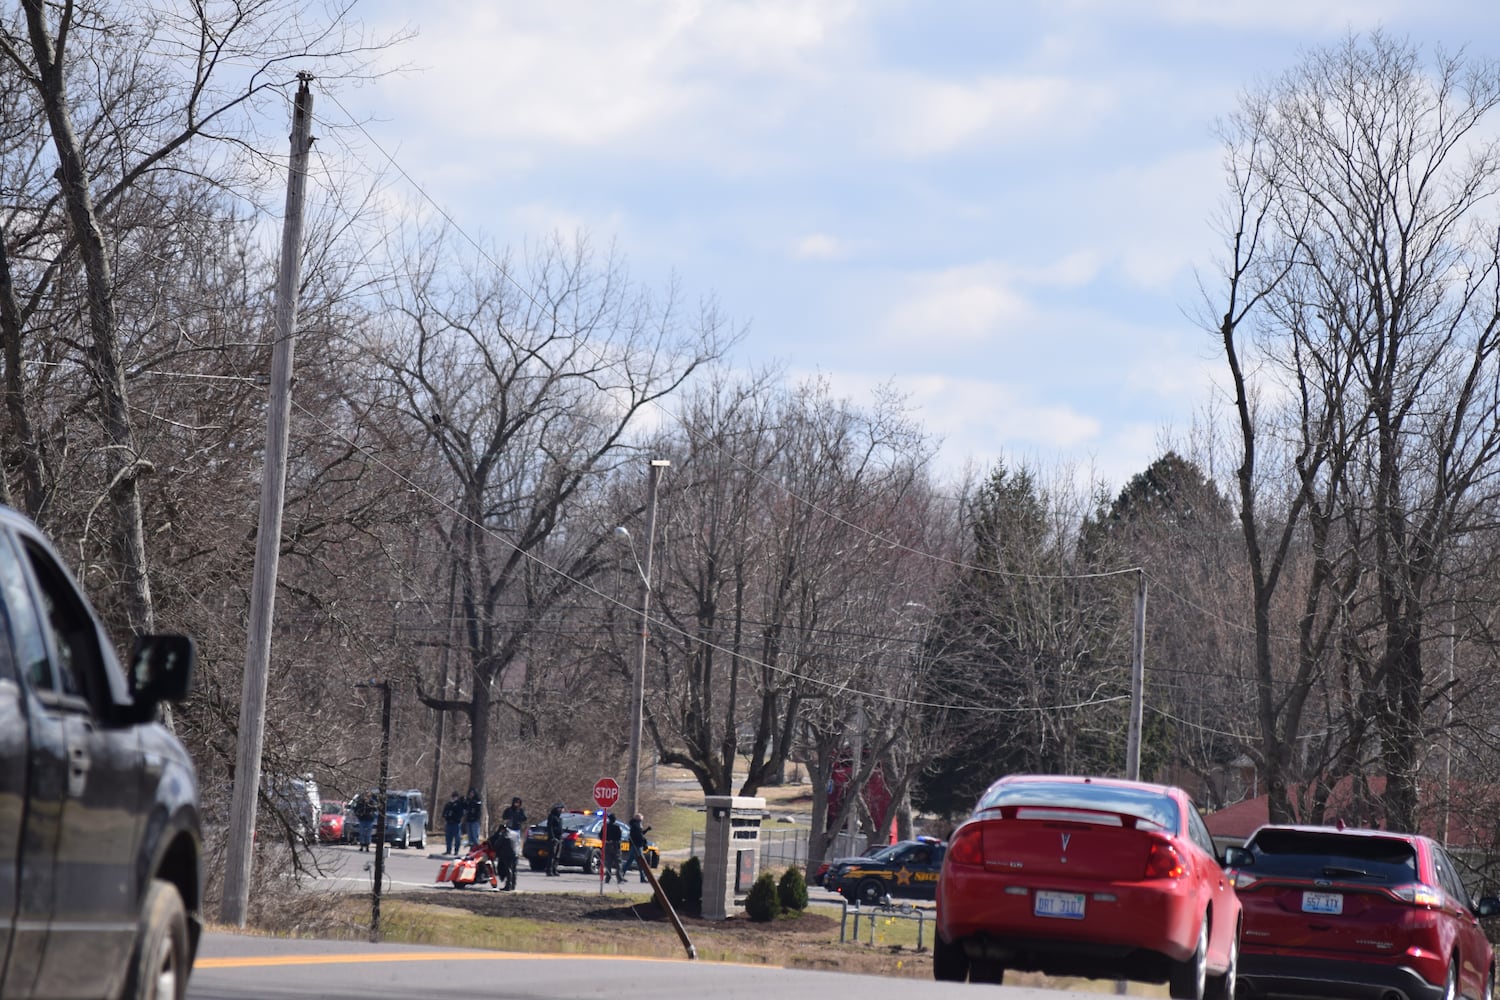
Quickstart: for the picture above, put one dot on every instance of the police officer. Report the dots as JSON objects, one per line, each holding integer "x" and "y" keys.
{"x": 638, "y": 842}
{"x": 612, "y": 850}
{"x": 554, "y": 838}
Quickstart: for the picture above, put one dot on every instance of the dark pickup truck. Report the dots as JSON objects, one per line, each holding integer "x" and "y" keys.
{"x": 100, "y": 846}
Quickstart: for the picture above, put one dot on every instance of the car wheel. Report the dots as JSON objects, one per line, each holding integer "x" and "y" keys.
{"x": 1223, "y": 987}
{"x": 421, "y": 841}
{"x": 1450, "y": 986}
{"x": 405, "y": 838}
{"x": 949, "y": 962}
{"x": 591, "y": 863}
{"x": 159, "y": 966}
{"x": 870, "y": 892}
{"x": 1489, "y": 987}
{"x": 1189, "y": 978}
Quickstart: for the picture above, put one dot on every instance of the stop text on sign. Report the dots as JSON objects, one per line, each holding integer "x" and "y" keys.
{"x": 606, "y": 793}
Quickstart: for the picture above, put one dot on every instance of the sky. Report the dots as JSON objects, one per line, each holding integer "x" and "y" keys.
{"x": 1003, "y": 210}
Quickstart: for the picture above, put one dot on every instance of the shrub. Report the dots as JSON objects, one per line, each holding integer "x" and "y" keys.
{"x": 792, "y": 890}
{"x": 762, "y": 903}
{"x": 692, "y": 880}
{"x": 671, "y": 885}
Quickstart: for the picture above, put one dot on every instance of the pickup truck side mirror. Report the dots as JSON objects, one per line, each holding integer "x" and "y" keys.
{"x": 161, "y": 669}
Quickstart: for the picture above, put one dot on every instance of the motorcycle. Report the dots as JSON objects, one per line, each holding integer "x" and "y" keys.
{"x": 493, "y": 861}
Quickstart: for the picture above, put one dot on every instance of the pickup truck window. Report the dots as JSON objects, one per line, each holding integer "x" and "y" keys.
{"x": 79, "y": 662}
{"x": 25, "y": 627}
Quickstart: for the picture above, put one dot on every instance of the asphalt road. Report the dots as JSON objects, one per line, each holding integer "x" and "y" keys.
{"x": 233, "y": 967}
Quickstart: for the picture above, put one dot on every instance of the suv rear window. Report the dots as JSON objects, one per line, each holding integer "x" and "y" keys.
{"x": 1314, "y": 854}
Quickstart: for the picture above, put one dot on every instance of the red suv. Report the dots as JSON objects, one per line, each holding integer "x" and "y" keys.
{"x": 1358, "y": 913}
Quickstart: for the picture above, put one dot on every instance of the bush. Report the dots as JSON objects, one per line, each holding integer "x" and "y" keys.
{"x": 692, "y": 880}
{"x": 762, "y": 904}
{"x": 792, "y": 890}
{"x": 671, "y": 885}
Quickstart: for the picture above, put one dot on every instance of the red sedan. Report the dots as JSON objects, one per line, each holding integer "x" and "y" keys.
{"x": 1091, "y": 877}
{"x": 331, "y": 823}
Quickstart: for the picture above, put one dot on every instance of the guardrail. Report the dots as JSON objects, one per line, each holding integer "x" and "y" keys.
{"x": 886, "y": 910}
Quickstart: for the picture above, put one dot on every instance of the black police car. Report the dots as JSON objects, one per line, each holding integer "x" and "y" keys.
{"x": 909, "y": 869}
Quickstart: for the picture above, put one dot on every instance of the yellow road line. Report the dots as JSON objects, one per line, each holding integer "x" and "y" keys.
{"x": 267, "y": 961}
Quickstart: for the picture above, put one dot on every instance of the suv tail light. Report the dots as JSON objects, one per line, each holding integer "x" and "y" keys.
{"x": 1163, "y": 861}
{"x": 1418, "y": 894}
{"x": 968, "y": 846}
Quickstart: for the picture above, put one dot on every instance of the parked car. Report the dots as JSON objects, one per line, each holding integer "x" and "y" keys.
{"x": 332, "y": 828}
{"x": 582, "y": 846}
{"x": 1092, "y": 877}
{"x": 909, "y": 868}
{"x": 100, "y": 833}
{"x": 1359, "y": 913}
{"x": 537, "y": 848}
{"x": 405, "y": 817}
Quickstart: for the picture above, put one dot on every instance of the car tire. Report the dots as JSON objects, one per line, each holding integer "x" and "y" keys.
{"x": 159, "y": 966}
{"x": 949, "y": 962}
{"x": 870, "y": 892}
{"x": 1489, "y": 986}
{"x": 1224, "y": 986}
{"x": 1450, "y": 986}
{"x": 421, "y": 841}
{"x": 1188, "y": 979}
{"x": 405, "y": 838}
{"x": 591, "y": 863}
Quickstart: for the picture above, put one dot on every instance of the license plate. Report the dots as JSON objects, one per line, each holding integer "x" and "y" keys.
{"x": 1322, "y": 902}
{"x": 1068, "y": 905}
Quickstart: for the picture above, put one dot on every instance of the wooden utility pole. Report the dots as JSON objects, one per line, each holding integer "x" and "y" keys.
{"x": 638, "y": 687}
{"x": 237, "y": 863}
{"x": 1137, "y": 681}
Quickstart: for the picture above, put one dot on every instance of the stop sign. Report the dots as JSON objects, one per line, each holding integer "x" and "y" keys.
{"x": 606, "y": 793}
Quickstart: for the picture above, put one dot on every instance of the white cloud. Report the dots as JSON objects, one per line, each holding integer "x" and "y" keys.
{"x": 1281, "y": 15}
{"x": 960, "y": 307}
{"x": 920, "y": 116}
{"x": 818, "y": 246}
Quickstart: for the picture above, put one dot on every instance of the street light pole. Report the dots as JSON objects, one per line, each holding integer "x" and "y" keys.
{"x": 638, "y": 692}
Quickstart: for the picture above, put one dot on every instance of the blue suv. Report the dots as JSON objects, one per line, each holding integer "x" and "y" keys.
{"x": 405, "y": 818}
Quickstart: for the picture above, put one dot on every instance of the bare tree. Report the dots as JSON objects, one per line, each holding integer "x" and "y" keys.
{"x": 525, "y": 381}
{"x": 1361, "y": 309}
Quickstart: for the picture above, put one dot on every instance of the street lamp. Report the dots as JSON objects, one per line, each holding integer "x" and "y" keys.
{"x": 638, "y": 689}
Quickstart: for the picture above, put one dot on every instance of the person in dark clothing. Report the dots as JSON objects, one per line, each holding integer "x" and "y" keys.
{"x": 554, "y": 837}
{"x": 612, "y": 849}
{"x": 505, "y": 843}
{"x": 514, "y": 817}
{"x": 453, "y": 822}
{"x": 473, "y": 813}
{"x": 638, "y": 842}
{"x": 365, "y": 815}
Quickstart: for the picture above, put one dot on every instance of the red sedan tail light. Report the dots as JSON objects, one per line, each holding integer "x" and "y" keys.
{"x": 967, "y": 847}
{"x": 1163, "y": 861}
